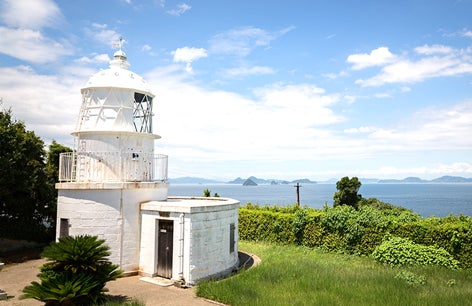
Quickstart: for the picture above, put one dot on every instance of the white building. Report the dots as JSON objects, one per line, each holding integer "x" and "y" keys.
{"x": 114, "y": 186}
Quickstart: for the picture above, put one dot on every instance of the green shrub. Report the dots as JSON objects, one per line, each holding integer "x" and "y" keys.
{"x": 266, "y": 225}
{"x": 335, "y": 220}
{"x": 299, "y": 224}
{"x": 397, "y": 251}
{"x": 360, "y": 231}
{"x": 75, "y": 274}
{"x": 313, "y": 231}
{"x": 452, "y": 233}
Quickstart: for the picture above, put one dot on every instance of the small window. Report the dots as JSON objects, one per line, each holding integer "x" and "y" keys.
{"x": 64, "y": 228}
{"x": 231, "y": 237}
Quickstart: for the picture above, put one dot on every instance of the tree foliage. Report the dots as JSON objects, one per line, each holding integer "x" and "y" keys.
{"x": 347, "y": 192}
{"x": 27, "y": 177}
{"x": 27, "y": 201}
{"x": 76, "y": 273}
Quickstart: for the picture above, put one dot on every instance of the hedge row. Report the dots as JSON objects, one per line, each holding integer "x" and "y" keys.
{"x": 360, "y": 231}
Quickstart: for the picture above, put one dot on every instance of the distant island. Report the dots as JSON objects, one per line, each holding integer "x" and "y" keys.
{"x": 260, "y": 181}
{"x": 442, "y": 179}
{"x": 249, "y": 182}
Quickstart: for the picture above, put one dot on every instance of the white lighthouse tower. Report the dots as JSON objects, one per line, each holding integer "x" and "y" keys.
{"x": 115, "y": 187}
{"x": 113, "y": 167}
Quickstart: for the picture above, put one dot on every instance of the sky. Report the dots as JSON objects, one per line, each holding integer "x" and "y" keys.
{"x": 273, "y": 89}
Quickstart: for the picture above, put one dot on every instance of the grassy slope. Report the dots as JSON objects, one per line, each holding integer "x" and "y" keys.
{"x": 290, "y": 275}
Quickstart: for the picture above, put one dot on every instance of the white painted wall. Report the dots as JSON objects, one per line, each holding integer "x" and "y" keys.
{"x": 110, "y": 214}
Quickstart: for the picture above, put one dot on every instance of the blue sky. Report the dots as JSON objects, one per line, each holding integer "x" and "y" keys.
{"x": 275, "y": 89}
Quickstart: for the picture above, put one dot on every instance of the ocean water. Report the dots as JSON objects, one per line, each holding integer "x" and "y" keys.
{"x": 426, "y": 199}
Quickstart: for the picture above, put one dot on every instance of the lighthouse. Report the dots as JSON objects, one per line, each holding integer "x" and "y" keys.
{"x": 113, "y": 167}
{"x": 114, "y": 186}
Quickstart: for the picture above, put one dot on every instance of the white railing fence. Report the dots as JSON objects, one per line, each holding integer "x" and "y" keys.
{"x": 112, "y": 167}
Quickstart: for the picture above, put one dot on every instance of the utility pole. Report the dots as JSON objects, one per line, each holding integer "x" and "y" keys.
{"x": 298, "y": 193}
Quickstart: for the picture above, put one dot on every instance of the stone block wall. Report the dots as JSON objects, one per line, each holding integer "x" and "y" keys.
{"x": 210, "y": 253}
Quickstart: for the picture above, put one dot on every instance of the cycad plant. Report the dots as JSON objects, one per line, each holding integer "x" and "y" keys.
{"x": 76, "y": 273}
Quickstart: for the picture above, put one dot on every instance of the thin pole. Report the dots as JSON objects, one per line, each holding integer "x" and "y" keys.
{"x": 298, "y": 193}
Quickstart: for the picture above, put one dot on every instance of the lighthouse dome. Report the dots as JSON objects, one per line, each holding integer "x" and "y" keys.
{"x": 116, "y": 99}
{"x": 119, "y": 76}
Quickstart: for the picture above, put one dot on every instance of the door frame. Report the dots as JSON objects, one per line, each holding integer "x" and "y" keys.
{"x": 167, "y": 270}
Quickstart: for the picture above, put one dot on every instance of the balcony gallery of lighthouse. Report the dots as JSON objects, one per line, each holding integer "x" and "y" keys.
{"x": 114, "y": 186}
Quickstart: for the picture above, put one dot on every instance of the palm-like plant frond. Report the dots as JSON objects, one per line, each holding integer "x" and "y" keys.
{"x": 76, "y": 273}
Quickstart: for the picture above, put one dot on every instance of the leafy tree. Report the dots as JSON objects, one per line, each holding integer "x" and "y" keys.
{"x": 27, "y": 201}
{"x": 347, "y": 192}
{"x": 76, "y": 273}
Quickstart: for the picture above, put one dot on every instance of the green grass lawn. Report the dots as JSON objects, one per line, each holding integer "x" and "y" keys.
{"x": 291, "y": 275}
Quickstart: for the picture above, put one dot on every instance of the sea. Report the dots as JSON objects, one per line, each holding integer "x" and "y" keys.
{"x": 426, "y": 199}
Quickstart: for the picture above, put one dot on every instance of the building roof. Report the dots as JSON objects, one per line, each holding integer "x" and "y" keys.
{"x": 119, "y": 76}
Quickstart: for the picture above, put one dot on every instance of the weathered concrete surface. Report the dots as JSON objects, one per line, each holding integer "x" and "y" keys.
{"x": 14, "y": 277}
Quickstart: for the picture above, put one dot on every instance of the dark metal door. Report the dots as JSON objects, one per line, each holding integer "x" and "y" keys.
{"x": 164, "y": 248}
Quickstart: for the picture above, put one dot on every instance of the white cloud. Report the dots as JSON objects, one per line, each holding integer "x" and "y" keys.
{"x": 280, "y": 124}
{"x": 350, "y": 99}
{"x": 444, "y": 62}
{"x": 146, "y": 48}
{"x": 245, "y": 71}
{"x": 383, "y": 95}
{"x": 241, "y": 41}
{"x": 30, "y": 45}
{"x": 29, "y": 14}
{"x": 377, "y": 57}
{"x": 22, "y": 38}
{"x": 362, "y": 129}
{"x": 214, "y": 125}
{"x": 334, "y": 76}
{"x": 179, "y": 10}
{"x": 446, "y": 128}
{"x": 467, "y": 33}
{"x": 431, "y": 129}
{"x": 289, "y": 122}
{"x": 102, "y": 34}
{"x": 47, "y": 104}
{"x": 188, "y": 55}
{"x": 434, "y": 49}
{"x": 95, "y": 59}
